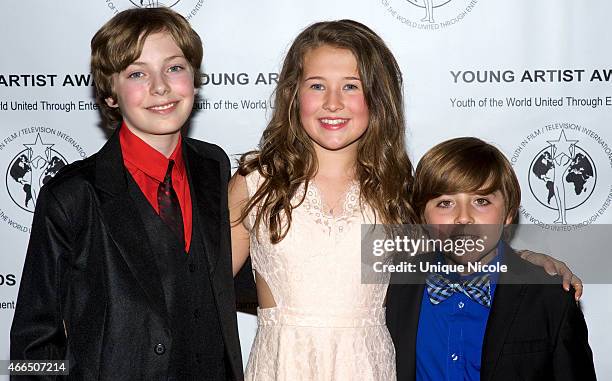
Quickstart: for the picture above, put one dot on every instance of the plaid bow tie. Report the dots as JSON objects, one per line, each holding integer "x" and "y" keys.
{"x": 478, "y": 288}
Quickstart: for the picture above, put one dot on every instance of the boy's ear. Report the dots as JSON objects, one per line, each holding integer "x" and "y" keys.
{"x": 110, "y": 101}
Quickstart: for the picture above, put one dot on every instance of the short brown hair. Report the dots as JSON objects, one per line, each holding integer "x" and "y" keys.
{"x": 119, "y": 43}
{"x": 465, "y": 165}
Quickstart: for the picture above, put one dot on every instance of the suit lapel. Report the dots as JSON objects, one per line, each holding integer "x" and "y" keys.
{"x": 408, "y": 298}
{"x": 204, "y": 183}
{"x": 124, "y": 224}
{"x": 412, "y": 311}
{"x": 509, "y": 293}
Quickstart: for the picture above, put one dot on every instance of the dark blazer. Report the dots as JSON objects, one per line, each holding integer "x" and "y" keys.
{"x": 534, "y": 331}
{"x": 91, "y": 291}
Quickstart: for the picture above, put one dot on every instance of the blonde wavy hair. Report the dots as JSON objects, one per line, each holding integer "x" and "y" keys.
{"x": 286, "y": 158}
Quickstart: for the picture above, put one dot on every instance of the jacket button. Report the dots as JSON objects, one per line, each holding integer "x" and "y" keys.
{"x": 192, "y": 268}
{"x": 160, "y": 349}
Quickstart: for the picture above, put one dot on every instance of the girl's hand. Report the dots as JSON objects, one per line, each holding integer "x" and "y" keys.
{"x": 553, "y": 267}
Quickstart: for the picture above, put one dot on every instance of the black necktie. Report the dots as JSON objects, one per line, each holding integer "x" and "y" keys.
{"x": 169, "y": 207}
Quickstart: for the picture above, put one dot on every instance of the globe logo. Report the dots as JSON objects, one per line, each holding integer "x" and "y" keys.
{"x": 154, "y": 4}
{"x": 29, "y": 170}
{"x": 187, "y": 8}
{"x": 562, "y": 176}
{"x": 429, "y": 6}
{"x": 434, "y": 3}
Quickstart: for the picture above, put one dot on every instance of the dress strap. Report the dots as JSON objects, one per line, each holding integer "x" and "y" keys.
{"x": 253, "y": 181}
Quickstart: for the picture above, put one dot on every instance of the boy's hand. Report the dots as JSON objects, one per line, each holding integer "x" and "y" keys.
{"x": 553, "y": 267}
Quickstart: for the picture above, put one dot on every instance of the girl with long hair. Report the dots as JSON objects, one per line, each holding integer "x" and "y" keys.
{"x": 332, "y": 158}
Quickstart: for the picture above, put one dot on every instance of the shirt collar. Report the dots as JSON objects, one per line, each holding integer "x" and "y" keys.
{"x": 493, "y": 276}
{"x": 146, "y": 158}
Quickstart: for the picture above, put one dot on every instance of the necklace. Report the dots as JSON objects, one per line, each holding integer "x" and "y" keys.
{"x": 337, "y": 203}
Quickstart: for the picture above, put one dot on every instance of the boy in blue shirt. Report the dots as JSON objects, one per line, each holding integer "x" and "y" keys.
{"x": 511, "y": 321}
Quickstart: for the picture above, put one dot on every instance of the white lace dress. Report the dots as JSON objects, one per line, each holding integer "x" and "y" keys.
{"x": 326, "y": 325}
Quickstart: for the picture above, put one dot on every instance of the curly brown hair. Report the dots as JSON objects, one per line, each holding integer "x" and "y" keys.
{"x": 119, "y": 42}
{"x": 286, "y": 158}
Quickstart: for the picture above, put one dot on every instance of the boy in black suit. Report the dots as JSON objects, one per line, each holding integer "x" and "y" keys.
{"x": 128, "y": 272}
{"x": 509, "y": 321}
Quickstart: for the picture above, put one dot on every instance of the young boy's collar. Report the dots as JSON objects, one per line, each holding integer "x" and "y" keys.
{"x": 493, "y": 275}
{"x": 146, "y": 158}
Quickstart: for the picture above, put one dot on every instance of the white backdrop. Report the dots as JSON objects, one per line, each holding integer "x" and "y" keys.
{"x": 517, "y": 74}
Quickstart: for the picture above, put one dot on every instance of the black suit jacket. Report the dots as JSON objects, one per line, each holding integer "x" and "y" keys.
{"x": 535, "y": 329}
{"x": 91, "y": 292}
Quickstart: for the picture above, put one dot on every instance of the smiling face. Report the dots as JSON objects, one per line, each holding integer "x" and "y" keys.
{"x": 333, "y": 109}
{"x": 156, "y": 92}
{"x": 469, "y": 215}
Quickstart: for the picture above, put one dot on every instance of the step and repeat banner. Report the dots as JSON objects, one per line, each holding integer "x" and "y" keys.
{"x": 531, "y": 77}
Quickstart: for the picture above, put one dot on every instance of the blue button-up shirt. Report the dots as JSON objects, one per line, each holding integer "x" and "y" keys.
{"x": 450, "y": 335}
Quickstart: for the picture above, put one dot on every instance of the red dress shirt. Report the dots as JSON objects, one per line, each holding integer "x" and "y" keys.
{"x": 148, "y": 168}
